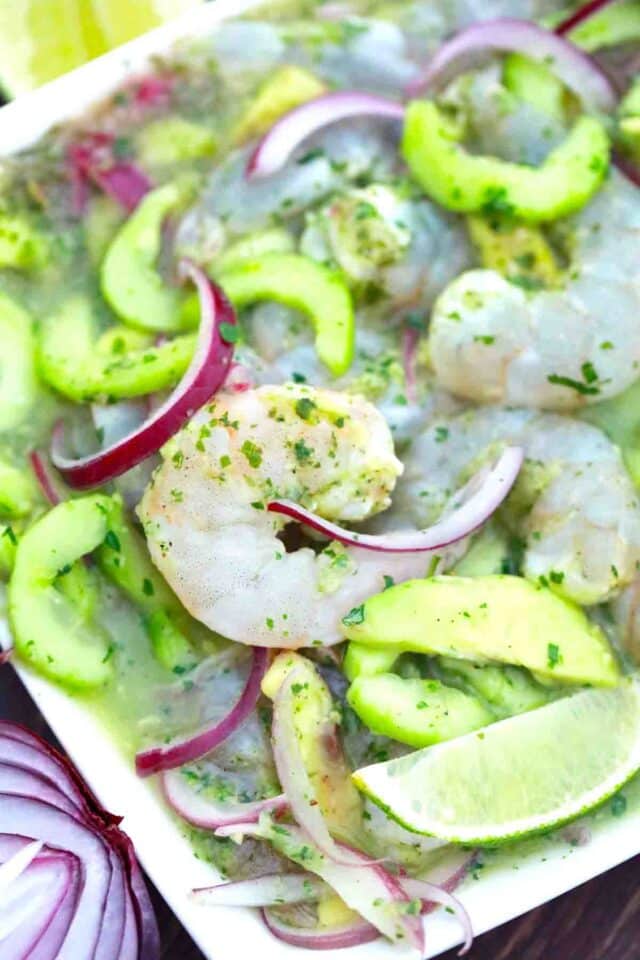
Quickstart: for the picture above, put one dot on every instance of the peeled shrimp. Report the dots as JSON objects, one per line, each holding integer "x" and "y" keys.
{"x": 574, "y": 505}
{"x": 492, "y": 342}
{"x": 210, "y": 535}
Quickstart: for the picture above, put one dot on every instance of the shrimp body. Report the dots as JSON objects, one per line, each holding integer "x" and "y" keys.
{"x": 211, "y": 536}
{"x": 493, "y": 342}
{"x": 574, "y": 505}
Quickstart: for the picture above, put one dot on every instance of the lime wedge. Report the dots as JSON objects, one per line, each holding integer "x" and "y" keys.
{"x": 122, "y": 20}
{"x": 520, "y": 776}
{"x": 41, "y": 39}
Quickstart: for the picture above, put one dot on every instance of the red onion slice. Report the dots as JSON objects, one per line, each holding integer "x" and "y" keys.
{"x": 93, "y": 159}
{"x": 577, "y": 71}
{"x": 293, "y": 776}
{"x": 472, "y": 506}
{"x": 583, "y": 13}
{"x": 48, "y": 483}
{"x": 266, "y": 891}
{"x": 185, "y": 750}
{"x": 429, "y": 893}
{"x": 204, "y": 377}
{"x": 277, "y": 146}
{"x": 207, "y": 814}
{"x": 334, "y": 938}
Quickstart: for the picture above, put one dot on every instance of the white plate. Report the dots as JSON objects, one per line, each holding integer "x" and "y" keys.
{"x": 518, "y": 884}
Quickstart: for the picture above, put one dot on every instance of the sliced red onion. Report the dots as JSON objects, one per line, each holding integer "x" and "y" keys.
{"x": 334, "y": 938}
{"x": 294, "y": 779}
{"x": 47, "y": 481}
{"x": 93, "y": 159}
{"x": 185, "y": 750}
{"x": 583, "y": 13}
{"x": 205, "y": 375}
{"x": 154, "y": 90}
{"x": 472, "y": 506}
{"x": 410, "y": 339}
{"x": 81, "y": 896}
{"x": 277, "y": 146}
{"x": 577, "y": 71}
{"x": 267, "y": 891}
{"x": 208, "y": 814}
{"x": 430, "y": 893}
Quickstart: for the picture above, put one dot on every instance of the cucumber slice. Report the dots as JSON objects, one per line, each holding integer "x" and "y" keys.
{"x": 18, "y": 491}
{"x": 130, "y": 282}
{"x": 50, "y": 631}
{"x": 18, "y": 384}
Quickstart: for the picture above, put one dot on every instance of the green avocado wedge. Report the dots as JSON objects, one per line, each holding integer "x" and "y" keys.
{"x": 417, "y": 712}
{"x": 501, "y": 619}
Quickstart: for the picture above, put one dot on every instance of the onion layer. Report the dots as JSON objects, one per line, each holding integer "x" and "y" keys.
{"x": 205, "y": 375}
{"x": 93, "y": 159}
{"x": 187, "y": 749}
{"x": 205, "y": 813}
{"x": 580, "y": 15}
{"x": 71, "y": 888}
{"x": 578, "y": 71}
{"x": 472, "y": 506}
{"x": 277, "y": 146}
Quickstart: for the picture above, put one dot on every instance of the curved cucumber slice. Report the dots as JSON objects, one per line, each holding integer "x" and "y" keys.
{"x": 69, "y": 358}
{"x": 50, "y": 631}
{"x": 18, "y": 384}
{"x": 460, "y": 181}
{"x": 300, "y": 283}
{"x": 130, "y": 281}
{"x": 417, "y": 712}
{"x": 124, "y": 558}
{"x": 18, "y": 491}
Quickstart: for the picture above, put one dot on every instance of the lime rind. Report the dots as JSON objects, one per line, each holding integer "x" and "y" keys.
{"x": 524, "y": 775}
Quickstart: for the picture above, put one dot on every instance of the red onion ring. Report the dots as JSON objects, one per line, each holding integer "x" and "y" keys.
{"x": 93, "y": 159}
{"x": 429, "y": 893}
{"x": 473, "y": 505}
{"x": 266, "y": 891}
{"x": 335, "y": 938}
{"x": 203, "y": 378}
{"x": 583, "y": 13}
{"x": 46, "y": 480}
{"x": 205, "y": 813}
{"x": 410, "y": 339}
{"x": 277, "y": 146}
{"x": 186, "y": 749}
{"x": 578, "y": 71}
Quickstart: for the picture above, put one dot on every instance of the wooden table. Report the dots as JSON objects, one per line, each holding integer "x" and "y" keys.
{"x": 598, "y": 921}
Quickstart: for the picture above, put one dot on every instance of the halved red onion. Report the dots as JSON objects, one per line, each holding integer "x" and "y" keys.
{"x": 294, "y": 779}
{"x": 266, "y": 891}
{"x": 208, "y": 814}
{"x": 47, "y": 481}
{"x": 332, "y": 938}
{"x": 205, "y": 375}
{"x": 472, "y": 506}
{"x": 583, "y": 13}
{"x": 277, "y": 146}
{"x": 93, "y": 159}
{"x": 578, "y": 72}
{"x": 166, "y": 756}
{"x": 80, "y": 897}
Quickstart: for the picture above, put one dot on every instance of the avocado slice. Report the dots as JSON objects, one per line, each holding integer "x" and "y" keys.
{"x": 315, "y": 722}
{"x": 507, "y": 690}
{"x": 417, "y": 712}
{"x": 363, "y": 661}
{"x": 503, "y": 619}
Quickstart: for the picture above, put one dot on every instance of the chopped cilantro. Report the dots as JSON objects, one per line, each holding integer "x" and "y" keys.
{"x": 354, "y": 617}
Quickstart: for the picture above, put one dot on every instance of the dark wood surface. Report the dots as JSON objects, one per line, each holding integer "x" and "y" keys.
{"x": 598, "y": 921}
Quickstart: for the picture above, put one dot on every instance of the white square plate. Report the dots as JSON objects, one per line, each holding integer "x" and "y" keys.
{"x": 519, "y": 883}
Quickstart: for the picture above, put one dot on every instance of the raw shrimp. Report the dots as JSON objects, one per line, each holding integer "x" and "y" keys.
{"x": 574, "y": 505}
{"x": 209, "y": 533}
{"x": 401, "y": 248}
{"x": 492, "y": 342}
